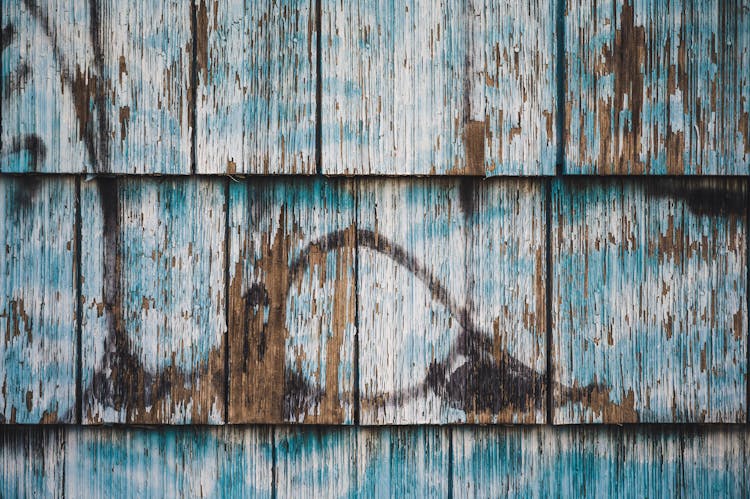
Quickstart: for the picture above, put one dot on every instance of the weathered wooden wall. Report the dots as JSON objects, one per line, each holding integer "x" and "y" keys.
{"x": 151, "y": 272}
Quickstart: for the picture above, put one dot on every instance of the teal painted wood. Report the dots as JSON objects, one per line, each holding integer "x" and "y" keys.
{"x": 657, "y": 87}
{"x": 153, "y": 298}
{"x": 403, "y": 462}
{"x": 441, "y": 338}
{"x": 168, "y": 462}
{"x": 454, "y": 88}
{"x": 43, "y": 126}
{"x": 542, "y": 461}
{"x": 649, "y": 319}
{"x": 517, "y": 71}
{"x": 292, "y": 300}
{"x": 316, "y": 461}
{"x": 716, "y": 462}
{"x": 256, "y": 96}
{"x": 32, "y": 461}
{"x": 146, "y": 49}
{"x": 362, "y": 462}
{"x": 37, "y": 299}
{"x": 98, "y": 86}
{"x": 567, "y": 462}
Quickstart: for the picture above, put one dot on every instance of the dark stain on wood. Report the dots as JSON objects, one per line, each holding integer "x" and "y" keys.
{"x": 201, "y": 39}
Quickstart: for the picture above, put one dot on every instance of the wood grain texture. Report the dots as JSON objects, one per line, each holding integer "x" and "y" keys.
{"x": 316, "y": 461}
{"x": 453, "y": 87}
{"x": 256, "y": 101}
{"x": 716, "y": 461}
{"x": 650, "y": 313}
{"x": 37, "y": 299}
{"x": 153, "y": 320}
{"x": 97, "y": 86}
{"x": 566, "y": 462}
{"x": 362, "y": 462}
{"x": 291, "y": 300}
{"x": 44, "y": 123}
{"x": 146, "y": 49}
{"x": 32, "y": 461}
{"x": 441, "y": 339}
{"x": 657, "y": 87}
{"x": 168, "y": 462}
{"x": 403, "y": 462}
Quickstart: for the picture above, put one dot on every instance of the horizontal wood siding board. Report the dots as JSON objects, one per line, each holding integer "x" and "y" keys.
{"x": 256, "y": 95}
{"x": 97, "y": 86}
{"x": 457, "y": 88}
{"x": 583, "y": 461}
{"x": 451, "y": 301}
{"x": 153, "y": 300}
{"x": 649, "y": 315}
{"x": 657, "y": 87}
{"x": 38, "y": 349}
{"x": 292, "y": 300}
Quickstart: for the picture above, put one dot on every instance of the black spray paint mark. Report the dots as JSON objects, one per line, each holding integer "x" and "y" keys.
{"x": 482, "y": 382}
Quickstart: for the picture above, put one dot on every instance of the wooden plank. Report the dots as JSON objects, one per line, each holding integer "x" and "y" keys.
{"x": 153, "y": 300}
{"x": 256, "y": 101}
{"x": 146, "y": 48}
{"x": 414, "y": 87}
{"x": 316, "y": 461}
{"x": 565, "y": 462}
{"x": 168, "y": 462}
{"x": 715, "y": 462}
{"x": 441, "y": 340}
{"x": 657, "y": 87}
{"x": 45, "y": 115}
{"x": 518, "y": 75}
{"x": 291, "y": 300}
{"x": 403, "y": 462}
{"x": 650, "y": 314}
{"x": 37, "y": 299}
{"x": 100, "y": 86}
{"x": 32, "y": 462}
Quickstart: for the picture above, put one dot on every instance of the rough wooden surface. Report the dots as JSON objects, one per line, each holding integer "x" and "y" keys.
{"x": 153, "y": 300}
{"x": 145, "y": 52}
{"x": 649, "y": 316}
{"x": 542, "y": 461}
{"x": 453, "y": 87}
{"x": 256, "y": 100}
{"x": 168, "y": 462}
{"x": 96, "y": 86}
{"x": 362, "y": 462}
{"x": 657, "y": 87}
{"x": 32, "y": 462}
{"x": 582, "y": 462}
{"x": 403, "y": 462}
{"x": 440, "y": 338}
{"x": 291, "y": 300}
{"x": 37, "y": 299}
{"x": 43, "y": 122}
{"x": 316, "y": 461}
